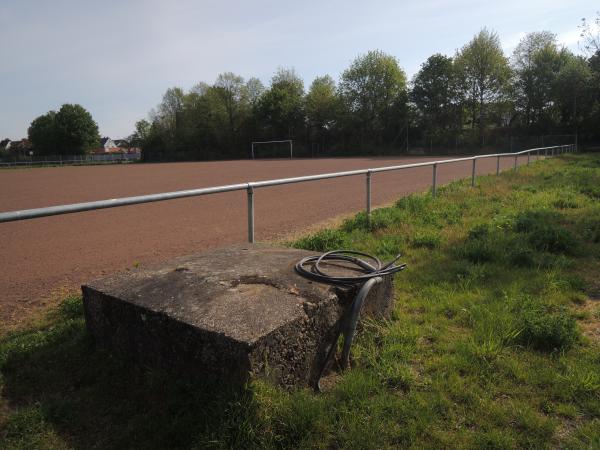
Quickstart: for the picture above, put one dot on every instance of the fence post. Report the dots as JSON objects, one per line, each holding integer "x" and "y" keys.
{"x": 434, "y": 183}
{"x": 528, "y": 156}
{"x": 250, "y": 192}
{"x": 516, "y": 156}
{"x": 473, "y": 173}
{"x": 369, "y": 197}
{"x": 498, "y": 165}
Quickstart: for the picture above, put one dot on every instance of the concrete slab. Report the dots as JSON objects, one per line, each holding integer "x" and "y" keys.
{"x": 226, "y": 313}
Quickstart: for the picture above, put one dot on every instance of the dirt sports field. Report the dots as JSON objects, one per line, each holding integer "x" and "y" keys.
{"x": 43, "y": 259}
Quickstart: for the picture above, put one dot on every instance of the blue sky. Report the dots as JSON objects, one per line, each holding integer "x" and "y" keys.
{"x": 116, "y": 58}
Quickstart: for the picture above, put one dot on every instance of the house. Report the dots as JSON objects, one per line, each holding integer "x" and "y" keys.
{"x": 20, "y": 149}
{"x": 107, "y": 145}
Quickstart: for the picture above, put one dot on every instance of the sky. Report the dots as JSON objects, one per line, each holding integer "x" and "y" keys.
{"x": 117, "y": 58}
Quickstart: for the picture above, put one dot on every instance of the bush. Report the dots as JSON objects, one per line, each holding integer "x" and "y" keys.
{"x": 545, "y": 234}
{"x": 529, "y": 221}
{"x": 414, "y": 204}
{"x": 591, "y": 191}
{"x": 544, "y": 330}
{"x": 590, "y": 227}
{"x": 323, "y": 241}
{"x": 380, "y": 219}
{"x": 426, "y": 239}
{"x": 478, "y": 247}
{"x": 390, "y": 245}
{"x": 555, "y": 240}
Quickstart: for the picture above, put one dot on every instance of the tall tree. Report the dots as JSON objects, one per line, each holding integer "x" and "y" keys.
{"x": 229, "y": 88}
{"x": 282, "y": 106}
{"x": 434, "y": 92}
{"x": 484, "y": 73}
{"x": 373, "y": 90}
{"x": 322, "y": 106}
{"x": 535, "y": 62}
{"x": 70, "y": 131}
{"x": 43, "y": 134}
{"x": 573, "y": 92}
{"x": 143, "y": 128}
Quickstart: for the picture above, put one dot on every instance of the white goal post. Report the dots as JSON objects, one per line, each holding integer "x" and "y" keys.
{"x": 275, "y": 142}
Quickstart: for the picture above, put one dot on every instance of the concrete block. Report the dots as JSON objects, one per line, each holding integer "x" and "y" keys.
{"x": 226, "y": 313}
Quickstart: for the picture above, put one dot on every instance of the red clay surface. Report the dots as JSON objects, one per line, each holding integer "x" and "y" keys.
{"x": 44, "y": 258}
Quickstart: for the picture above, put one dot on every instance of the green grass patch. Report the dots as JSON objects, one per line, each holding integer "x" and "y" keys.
{"x": 485, "y": 349}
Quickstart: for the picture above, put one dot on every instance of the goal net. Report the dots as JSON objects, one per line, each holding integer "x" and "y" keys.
{"x": 272, "y": 149}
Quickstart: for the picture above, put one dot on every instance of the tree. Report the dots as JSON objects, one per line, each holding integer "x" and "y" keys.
{"x": 484, "y": 73}
{"x": 373, "y": 90}
{"x": 535, "y": 62}
{"x": 43, "y": 134}
{"x": 143, "y": 128}
{"x": 322, "y": 106}
{"x": 253, "y": 90}
{"x": 573, "y": 92}
{"x": 282, "y": 106}
{"x": 590, "y": 35}
{"x": 170, "y": 109}
{"x": 70, "y": 131}
{"x": 229, "y": 88}
{"x": 434, "y": 93}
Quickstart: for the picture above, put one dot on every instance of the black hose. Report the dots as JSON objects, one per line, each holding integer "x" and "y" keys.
{"x": 370, "y": 272}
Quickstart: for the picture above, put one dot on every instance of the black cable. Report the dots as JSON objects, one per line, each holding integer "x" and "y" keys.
{"x": 370, "y": 272}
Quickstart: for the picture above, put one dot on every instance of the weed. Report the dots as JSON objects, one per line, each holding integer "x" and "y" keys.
{"x": 544, "y": 330}
{"x": 323, "y": 241}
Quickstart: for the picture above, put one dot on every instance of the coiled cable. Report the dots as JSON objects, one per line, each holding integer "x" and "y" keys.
{"x": 370, "y": 272}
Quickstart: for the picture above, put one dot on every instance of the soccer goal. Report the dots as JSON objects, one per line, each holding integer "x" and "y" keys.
{"x": 272, "y": 148}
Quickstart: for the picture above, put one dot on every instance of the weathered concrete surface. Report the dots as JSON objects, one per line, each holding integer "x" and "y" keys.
{"x": 227, "y": 313}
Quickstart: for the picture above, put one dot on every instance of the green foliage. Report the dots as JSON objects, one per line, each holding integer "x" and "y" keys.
{"x": 484, "y": 72}
{"x": 545, "y": 330}
{"x": 544, "y": 232}
{"x": 373, "y": 92}
{"x": 427, "y": 239}
{"x": 323, "y": 241}
{"x": 322, "y": 106}
{"x": 70, "y": 131}
{"x": 380, "y": 219}
{"x": 435, "y": 92}
{"x": 282, "y": 106}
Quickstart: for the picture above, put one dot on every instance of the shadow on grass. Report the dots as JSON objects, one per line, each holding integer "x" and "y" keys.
{"x": 57, "y": 384}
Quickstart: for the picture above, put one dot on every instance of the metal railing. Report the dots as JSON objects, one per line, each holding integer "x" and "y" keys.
{"x": 251, "y": 186}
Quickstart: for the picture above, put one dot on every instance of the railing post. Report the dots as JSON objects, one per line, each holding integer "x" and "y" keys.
{"x": 528, "y": 156}
{"x": 473, "y": 173}
{"x": 250, "y": 192}
{"x": 369, "y": 197}
{"x": 516, "y": 157}
{"x": 498, "y": 165}
{"x": 434, "y": 181}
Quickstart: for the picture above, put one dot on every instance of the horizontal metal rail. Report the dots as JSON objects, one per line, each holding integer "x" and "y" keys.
{"x": 249, "y": 187}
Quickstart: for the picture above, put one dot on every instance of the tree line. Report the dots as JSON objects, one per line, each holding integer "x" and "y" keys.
{"x": 478, "y": 99}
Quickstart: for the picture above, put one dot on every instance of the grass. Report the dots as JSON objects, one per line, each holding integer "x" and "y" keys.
{"x": 487, "y": 347}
